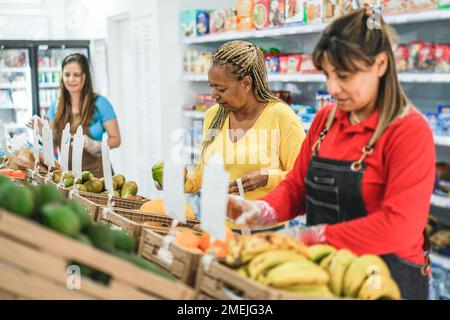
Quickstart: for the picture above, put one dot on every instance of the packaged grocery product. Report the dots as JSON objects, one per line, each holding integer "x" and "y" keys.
{"x": 421, "y": 5}
{"x": 232, "y": 19}
{"x": 294, "y": 12}
{"x": 332, "y": 9}
{"x": 277, "y": 13}
{"x": 284, "y": 95}
{"x": 391, "y": 7}
{"x": 401, "y": 58}
{"x": 314, "y": 11}
{"x": 202, "y": 22}
{"x": 414, "y": 49}
{"x": 426, "y": 57}
{"x": 307, "y": 65}
{"x": 432, "y": 119}
{"x": 272, "y": 62}
{"x": 290, "y": 63}
{"x": 188, "y": 22}
{"x": 217, "y": 21}
{"x": 261, "y": 14}
{"x": 349, "y": 6}
{"x": 442, "y": 57}
{"x": 245, "y": 14}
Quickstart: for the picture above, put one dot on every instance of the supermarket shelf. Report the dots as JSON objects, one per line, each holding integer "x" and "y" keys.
{"x": 49, "y": 69}
{"x": 48, "y": 85}
{"x": 418, "y": 17}
{"x": 19, "y": 69}
{"x": 318, "y": 77}
{"x": 194, "y": 114}
{"x": 442, "y": 141}
{"x": 18, "y": 85}
{"x": 424, "y": 77}
{"x": 440, "y": 260}
{"x": 440, "y": 201}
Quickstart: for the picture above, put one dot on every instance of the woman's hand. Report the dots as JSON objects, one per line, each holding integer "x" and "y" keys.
{"x": 40, "y": 122}
{"x": 250, "y": 182}
{"x": 94, "y": 147}
{"x": 250, "y": 213}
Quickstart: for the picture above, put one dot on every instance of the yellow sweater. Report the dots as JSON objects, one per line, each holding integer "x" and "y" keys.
{"x": 272, "y": 143}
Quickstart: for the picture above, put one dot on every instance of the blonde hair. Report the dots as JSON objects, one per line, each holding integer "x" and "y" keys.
{"x": 243, "y": 59}
{"x": 349, "y": 39}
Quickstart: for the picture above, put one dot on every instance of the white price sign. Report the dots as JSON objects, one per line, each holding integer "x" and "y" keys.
{"x": 107, "y": 165}
{"x": 77, "y": 152}
{"x": 3, "y": 138}
{"x": 173, "y": 182}
{"x": 36, "y": 137}
{"x": 214, "y": 198}
{"x": 65, "y": 145}
{"x": 47, "y": 140}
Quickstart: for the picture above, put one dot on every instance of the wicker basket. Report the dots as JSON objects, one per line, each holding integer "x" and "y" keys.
{"x": 39, "y": 178}
{"x": 34, "y": 261}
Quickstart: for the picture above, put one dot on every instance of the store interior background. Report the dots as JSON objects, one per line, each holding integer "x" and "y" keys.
{"x": 137, "y": 57}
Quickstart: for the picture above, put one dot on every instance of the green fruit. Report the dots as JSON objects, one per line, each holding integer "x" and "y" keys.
{"x": 78, "y": 181}
{"x": 144, "y": 264}
{"x": 48, "y": 193}
{"x": 4, "y": 180}
{"x": 69, "y": 181}
{"x": 101, "y": 236}
{"x": 82, "y": 187}
{"x": 157, "y": 172}
{"x": 80, "y": 211}
{"x": 123, "y": 241}
{"x": 130, "y": 188}
{"x": 61, "y": 218}
{"x": 83, "y": 239}
{"x": 67, "y": 174}
{"x": 119, "y": 180}
{"x": 116, "y": 193}
{"x": 95, "y": 186}
{"x": 16, "y": 199}
{"x": 57, "y": 176}
{"x": 86, "y": 176}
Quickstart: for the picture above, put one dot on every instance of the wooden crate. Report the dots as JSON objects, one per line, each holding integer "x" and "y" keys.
{"x": 34, "y": 261}
{"x": 184, "y": 264}
{"x": 223, "y": 283}
{"x": 133, "y": 221}
{"x": 39, "y": 178}
{"x": 96, "y": 202}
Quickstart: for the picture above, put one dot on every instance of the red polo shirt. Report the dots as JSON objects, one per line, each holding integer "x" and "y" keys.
{"x": 396, "y": 186}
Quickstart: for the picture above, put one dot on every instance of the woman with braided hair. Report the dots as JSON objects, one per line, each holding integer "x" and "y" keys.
{"x": 257, "y": 135}
{"x": 365, "y": 174}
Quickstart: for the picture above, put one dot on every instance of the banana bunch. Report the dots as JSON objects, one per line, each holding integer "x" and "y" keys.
{"x": 280, "y": 262}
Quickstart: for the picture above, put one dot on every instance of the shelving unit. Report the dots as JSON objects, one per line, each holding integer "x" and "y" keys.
{"x": 11, "y": 70}
{"x": 18, "y": 85}
{"x": 48, "y": 85}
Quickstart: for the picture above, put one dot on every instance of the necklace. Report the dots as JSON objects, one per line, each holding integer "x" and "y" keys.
{"x": 354, "y": 119}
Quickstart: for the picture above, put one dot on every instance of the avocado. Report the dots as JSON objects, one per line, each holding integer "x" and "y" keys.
{"x": 17, "y": 199}
{"x": 4, "y": 180}
{"x": 80, "y": 211}
{"x": 101, "y": 236}
{"x": 47, "y": 194}
{"x": 123, "y": 241}
{"x": 69, "y": 181}
{"x": 84, "y": 239}
{"x": 130, "y": 188}
{"x": 61, "y": 218}
{"x": 86, "y": 176}
{"x": 116, "y": 193}
{"x": 120, "y": 181}
{"x": 82, "y": 187}
{"x": 57, "y": 176}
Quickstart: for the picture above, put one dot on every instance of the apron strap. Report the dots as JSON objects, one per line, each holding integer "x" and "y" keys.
{"x": 325, "y": 131}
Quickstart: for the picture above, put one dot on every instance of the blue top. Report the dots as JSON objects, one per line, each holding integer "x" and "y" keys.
{"x": 103, "y": 112}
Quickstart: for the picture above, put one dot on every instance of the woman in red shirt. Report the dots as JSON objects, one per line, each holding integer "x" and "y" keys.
{"x": 365, "y": 173}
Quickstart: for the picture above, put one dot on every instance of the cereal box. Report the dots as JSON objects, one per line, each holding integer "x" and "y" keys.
{"x": 332, "y": 9}
{"x": 277, "y": 13}
{"x": 294, "y": 12}
{"x": 314, "y": 11}
{"x": 217, "y": 21}
{"x": 261, "y": 14}
{"x": 188, "y": 23}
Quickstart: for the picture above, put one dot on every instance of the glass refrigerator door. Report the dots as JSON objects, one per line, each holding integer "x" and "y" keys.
{"x": 49, "y": 74}
{"x": 15, "y": 90}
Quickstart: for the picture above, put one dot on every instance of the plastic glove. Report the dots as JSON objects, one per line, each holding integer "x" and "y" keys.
{"x": 92, "y": 146}
{"x": 250, "y": 213}
{"x": 309, "y": 236}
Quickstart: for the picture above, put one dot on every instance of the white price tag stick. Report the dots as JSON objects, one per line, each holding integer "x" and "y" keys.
{"x": 173, "y": 182}
{"x": 35, "y": 143}
{"x": 107, "y": 165}
{"x": 47, "y": 139}
{"x": 65, "y": 145}
{"x": 77, "y": 152}
{"x": 214, "y": 198}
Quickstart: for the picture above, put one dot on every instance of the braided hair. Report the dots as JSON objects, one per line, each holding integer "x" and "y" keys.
{"x": 244, "y": 59}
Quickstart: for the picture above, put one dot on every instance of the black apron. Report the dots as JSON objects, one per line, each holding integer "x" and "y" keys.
{"x": 333, "y": 195}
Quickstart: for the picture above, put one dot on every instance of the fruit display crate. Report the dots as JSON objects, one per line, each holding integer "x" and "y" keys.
{"x": 96, "y": 202}
{"x": 184, "y": 263}
{"x": 39, "y": 178}
{"x": 223, "y": 283}
{"x": 135, "y": 222}
{"x": 34, "y": 264}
